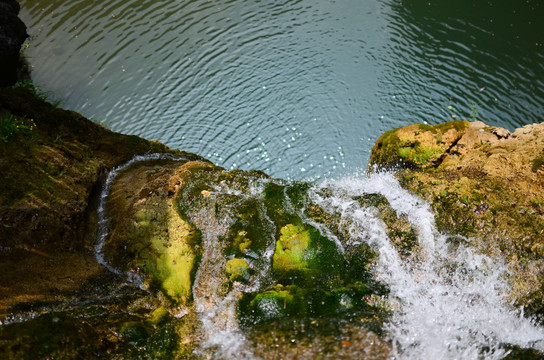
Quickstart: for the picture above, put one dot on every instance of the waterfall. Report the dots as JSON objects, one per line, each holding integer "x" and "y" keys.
{"x": 451, "y": 302}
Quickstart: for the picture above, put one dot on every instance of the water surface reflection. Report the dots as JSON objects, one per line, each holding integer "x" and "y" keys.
{"x": 295, "y": 88}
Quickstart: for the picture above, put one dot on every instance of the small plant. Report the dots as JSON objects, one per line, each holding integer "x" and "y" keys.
{"x": 473, "y": 112}
{"x": 37, "y": 91}
{"x": 10, "y": 125}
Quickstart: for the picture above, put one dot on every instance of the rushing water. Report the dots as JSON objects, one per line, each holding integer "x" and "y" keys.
{"x": 303, "y": 89}
{"x": 449, "y": 302}
{"x": 295, "y": 88}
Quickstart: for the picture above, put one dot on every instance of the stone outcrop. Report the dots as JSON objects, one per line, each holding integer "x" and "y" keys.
{"x": 483, "y": 182}
{"x": 12, "y": 36}
{"x": 52, "y": 163}
{"x": 195, "y": 234}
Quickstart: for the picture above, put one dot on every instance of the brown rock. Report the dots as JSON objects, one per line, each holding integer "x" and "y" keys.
{"x": 488, "y": 185}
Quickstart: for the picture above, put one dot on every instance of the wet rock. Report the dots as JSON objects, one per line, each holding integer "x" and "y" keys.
{"x": 237, "y": 269}
{"x": 51, "y": 176}
{"x": 485, "y": 183}
{"x": 249, "y": 255}
{"x": 12, "y": 35}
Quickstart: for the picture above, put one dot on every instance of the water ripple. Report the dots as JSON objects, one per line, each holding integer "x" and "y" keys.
{"x": 194, "y": 74}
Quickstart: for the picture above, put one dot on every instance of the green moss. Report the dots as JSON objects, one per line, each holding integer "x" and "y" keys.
{"x": 275, "y": 197}
{"x": 422, "y": 155}
{"x": 237, "y": 269}
{"x": 538, "y": 163}
{"x": 426, "y": 127}
{"x": 390, "y": 151}
{"x": 458, "y": 125}
{"x": 134, "y": 332}
{"x": 167, "y": 256}
{"x": 385, "y": 151}
{"x": 404, "y": 152}
{"x": 284, "y": 302}
{"x": 292, "y": 249}
{"x": 241, "y": 242}
{"x": 87, "y": 332}
{"x": 158, "y": 315}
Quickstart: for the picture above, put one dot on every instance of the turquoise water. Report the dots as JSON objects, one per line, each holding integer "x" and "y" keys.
{"x": 299, "y": 89}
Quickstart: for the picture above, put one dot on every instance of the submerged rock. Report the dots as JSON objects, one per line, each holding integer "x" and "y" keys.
{"x": 484, "y": 183}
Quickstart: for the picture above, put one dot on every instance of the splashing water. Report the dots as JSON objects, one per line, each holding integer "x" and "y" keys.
{"x": 222, "y": 337}
{"x": 451, "y": 303}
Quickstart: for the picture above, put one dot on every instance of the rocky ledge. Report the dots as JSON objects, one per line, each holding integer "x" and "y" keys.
{"x": 52, "y": 163}
{"x": 484, "y": 183}
{"x": 183, "y": 239}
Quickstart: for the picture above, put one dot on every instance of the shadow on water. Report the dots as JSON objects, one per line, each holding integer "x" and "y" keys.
{"x": 449, "y": 58}
{"x": 297, "y": 89}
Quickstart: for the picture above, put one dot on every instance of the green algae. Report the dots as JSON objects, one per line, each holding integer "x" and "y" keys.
{"x": 170, "y": 257}
{"x": 305, "y": 257}
{"x": 293, "y": 302}
{"x": 237, "y": 269}
{"x": 292, "y": 249}
{"x": 241, "y": 243}
{"x": 458, "y": 125}
{"x": 159, "y": 315}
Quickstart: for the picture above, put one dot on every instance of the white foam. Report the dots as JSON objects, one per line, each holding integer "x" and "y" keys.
{"x": 452, "y": 303}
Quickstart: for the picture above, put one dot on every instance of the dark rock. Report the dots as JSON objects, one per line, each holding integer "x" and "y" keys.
{"x": 12, "y": 35}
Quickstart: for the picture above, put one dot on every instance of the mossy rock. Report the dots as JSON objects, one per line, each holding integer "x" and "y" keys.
{"x": 486, "y": 186}
{"x": 162, "y": 244}
{"x": 237, "y": 269}
{"x": 294, "y": 250}
{"x": 303, "y": 256}
{"x": 293, "y": 302}
{"x": 416, "y": 146}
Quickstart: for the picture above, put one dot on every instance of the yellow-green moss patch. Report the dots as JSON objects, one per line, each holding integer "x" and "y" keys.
{"x": 292, "y": 249}
{"x": 237, "y": 269}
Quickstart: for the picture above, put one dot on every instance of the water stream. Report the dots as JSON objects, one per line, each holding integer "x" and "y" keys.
{"x": 449, "y": 302}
